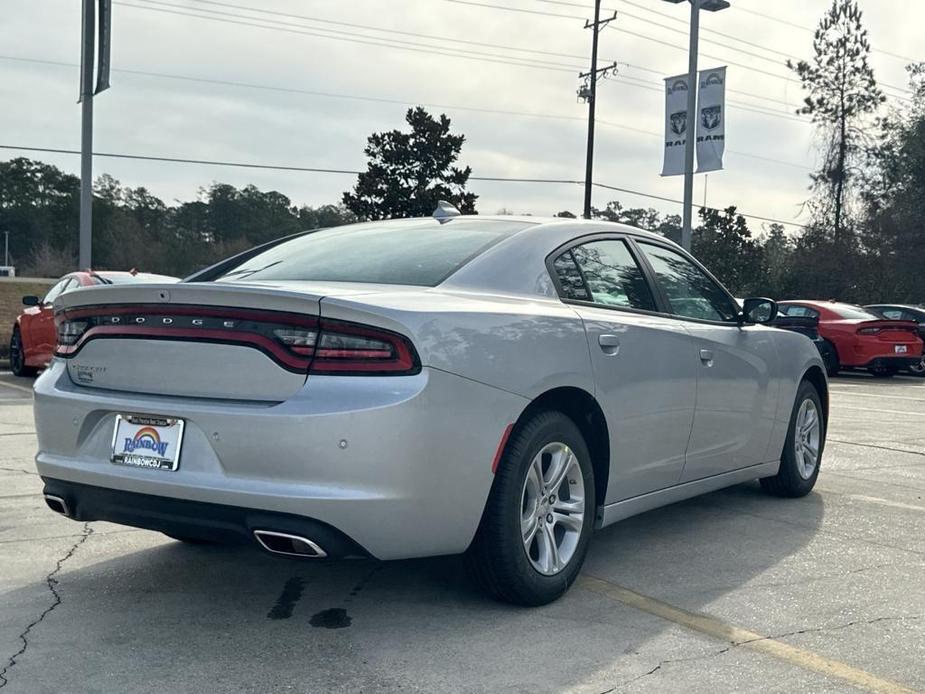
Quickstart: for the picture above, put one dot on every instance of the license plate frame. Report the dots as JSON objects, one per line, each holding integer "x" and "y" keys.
{"x": 900, "y": 349}
{"x": 152, "y": 442}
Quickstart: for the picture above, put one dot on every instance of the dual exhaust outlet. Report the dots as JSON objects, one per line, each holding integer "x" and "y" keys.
{"x": 283, "y": 544}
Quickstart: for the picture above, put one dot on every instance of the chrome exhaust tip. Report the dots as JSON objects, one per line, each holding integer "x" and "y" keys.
{"x": 57, "y": 504}
{"x": 288, "y": 545}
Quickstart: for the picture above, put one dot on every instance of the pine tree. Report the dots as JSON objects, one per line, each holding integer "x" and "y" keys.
{"x": 842, "y": 93}
{"x": 409, "y": 173}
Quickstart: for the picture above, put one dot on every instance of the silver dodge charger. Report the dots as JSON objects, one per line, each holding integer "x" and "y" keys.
{"x": 497, "y": 386}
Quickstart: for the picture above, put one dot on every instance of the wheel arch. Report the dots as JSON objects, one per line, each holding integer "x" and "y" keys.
{"x": 815, "y": 375}
{"x": 583, "y": 409}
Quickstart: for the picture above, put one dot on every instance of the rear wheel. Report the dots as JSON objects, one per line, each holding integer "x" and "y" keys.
{"x": 802, "y": 454}
{"x": 918, "y": 369}
{"x": 18, "y": 356}
{"x": 537, "y": 522}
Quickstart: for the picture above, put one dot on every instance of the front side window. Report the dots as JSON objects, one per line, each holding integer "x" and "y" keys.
{"x": 689, "y": 290}
{"x": 609, "y": 275}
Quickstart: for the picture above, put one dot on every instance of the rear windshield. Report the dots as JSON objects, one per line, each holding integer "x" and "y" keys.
{"x": 846, "y": 311}
{"x": 422, "y": 253}
{"x": 134, "y": 279}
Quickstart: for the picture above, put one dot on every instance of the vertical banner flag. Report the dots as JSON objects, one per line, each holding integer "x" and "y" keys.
{"x": 105, "y": 46}
{"x": 676, "y": 89}
{"x": 711, "y": 123}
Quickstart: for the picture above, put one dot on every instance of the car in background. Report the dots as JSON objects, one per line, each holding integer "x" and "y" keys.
{"x": 904, "y": 312}
{"x": 859, "y": 338}
{"x": 32, "y": 342}
{"x": 497, "y": 386}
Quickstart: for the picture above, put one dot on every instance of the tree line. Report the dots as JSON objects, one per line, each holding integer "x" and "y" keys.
{"x": 864, "y": 241}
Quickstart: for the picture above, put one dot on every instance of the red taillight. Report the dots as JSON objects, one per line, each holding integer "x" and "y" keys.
{"x": 351, "y": 349}
{"x": 296, "y": 342}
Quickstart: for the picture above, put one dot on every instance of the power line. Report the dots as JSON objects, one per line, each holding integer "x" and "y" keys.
{"x": 811, "y": 30}
{"x": 471, "y": 55}
{"x": 399, "y": 102}
{"x": 275, "y": 167}
{"x": 672, "y": 45}
{"x": 388, "y": 43}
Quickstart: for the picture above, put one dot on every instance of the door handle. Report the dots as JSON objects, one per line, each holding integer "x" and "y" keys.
{"x": 610, "y": 344}
{"x": 706, "y": 356}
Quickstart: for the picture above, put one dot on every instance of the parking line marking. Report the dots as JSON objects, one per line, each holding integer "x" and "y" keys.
{"x": 886, "y": 502}
{"x": 15, "y": 387}
{"x": 711, "y": 626}
{"x": 875, "y": 395}
{"x": 871, "y": 409}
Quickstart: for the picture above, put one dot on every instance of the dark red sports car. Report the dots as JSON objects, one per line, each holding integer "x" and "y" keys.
{"x": 33, "y": 340}
{"x": 855, "y": 338}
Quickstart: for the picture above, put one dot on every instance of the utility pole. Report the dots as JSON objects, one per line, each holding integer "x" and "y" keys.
{"x": 88, "y": 60}
{"x": 588, "y": 92}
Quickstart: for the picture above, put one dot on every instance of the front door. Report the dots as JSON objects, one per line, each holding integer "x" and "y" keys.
{"x": 736, "y": 407}
{"x": 644, "y": 365}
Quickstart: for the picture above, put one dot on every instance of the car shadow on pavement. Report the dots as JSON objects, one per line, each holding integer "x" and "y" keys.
{"x": 138, "y": 609}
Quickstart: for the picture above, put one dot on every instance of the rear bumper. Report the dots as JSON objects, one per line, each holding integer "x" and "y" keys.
{"x": 400, "y": 465}
{"x": 897, "y": 363}
{"x": 194, "y": 519}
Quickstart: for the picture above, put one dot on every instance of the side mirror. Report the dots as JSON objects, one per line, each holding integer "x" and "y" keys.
{"x": 758, "y": 310}
{"x": 30, "y": 300}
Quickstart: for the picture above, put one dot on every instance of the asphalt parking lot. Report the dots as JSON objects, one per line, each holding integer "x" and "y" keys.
{"x": 734, "y": 591}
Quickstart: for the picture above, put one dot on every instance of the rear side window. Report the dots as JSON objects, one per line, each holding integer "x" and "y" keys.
{"x": 422, "y": 253}
{"x": 606, "y": 273}
{"x": 799, "y": 311}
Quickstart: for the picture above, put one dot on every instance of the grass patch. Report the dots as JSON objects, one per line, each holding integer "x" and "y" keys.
{"x": 11, "y": 294}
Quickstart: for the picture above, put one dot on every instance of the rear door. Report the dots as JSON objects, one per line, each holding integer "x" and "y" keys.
{"x": 644, "y": 364}
{"x": 736, "y": 396}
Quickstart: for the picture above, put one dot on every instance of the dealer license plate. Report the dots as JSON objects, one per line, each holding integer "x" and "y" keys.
{"x": 147, "y": 441}
{"x": 900, "y": 349}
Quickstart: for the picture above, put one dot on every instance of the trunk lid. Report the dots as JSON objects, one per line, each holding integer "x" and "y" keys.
{"x": 204, "y": 340}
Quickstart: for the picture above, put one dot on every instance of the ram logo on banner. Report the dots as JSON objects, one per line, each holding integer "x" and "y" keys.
{"x": 711, "y": 125}
{"x": 676, "y": 89}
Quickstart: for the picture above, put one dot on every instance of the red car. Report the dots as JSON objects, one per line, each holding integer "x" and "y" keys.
{"x": 855, "y": 338}
{"x": 33, "y": 339}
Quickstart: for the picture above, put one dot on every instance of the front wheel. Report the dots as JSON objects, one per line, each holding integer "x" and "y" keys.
{"x": 537, "y": 522}
{"x": 18, "y": 356}
{"x": 802, "y": 454}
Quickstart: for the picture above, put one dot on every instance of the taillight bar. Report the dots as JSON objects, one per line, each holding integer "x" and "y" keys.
{"x": 304, "y": 344}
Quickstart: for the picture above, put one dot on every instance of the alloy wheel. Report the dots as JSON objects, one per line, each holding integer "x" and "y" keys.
{"x": 552, "y": 508}
{"x": 807, "y": 435}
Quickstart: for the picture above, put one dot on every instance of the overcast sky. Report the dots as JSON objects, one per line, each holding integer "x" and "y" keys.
{"x": 501, "y": 61}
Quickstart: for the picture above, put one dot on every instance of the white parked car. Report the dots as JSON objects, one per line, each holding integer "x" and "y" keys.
{"x": 490, "y": 385}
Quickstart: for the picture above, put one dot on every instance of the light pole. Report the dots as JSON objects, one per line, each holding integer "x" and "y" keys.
{"x": 696, "y": 6}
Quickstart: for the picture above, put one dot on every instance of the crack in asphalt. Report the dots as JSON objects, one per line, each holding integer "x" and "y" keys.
{"x": 872, "y": 445}
{"x": 52, "y": 582}
{"x": 16, "y": 469}
{"x": 736, "y": 644}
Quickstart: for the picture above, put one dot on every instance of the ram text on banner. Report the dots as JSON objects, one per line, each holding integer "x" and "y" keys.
{"x": 675, "y": 124}
{"x": 711, "y": 123}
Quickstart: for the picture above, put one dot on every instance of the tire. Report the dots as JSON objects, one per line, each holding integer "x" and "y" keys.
{"x": 18, "y": 358}
{"x": 794, "y": 478}
{"x": 527, "y": 573}
{"x": 830, "y": 358}
{"x": 918, "y": 369}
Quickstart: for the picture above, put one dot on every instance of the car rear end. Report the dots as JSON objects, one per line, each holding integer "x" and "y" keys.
{"x": 886, "y": 345}
{"x": 247, "y": 411}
